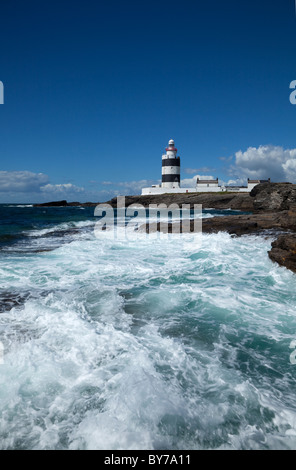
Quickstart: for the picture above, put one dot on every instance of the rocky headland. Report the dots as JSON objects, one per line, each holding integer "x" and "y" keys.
{"x": 223, "y": 200}
{"x": 271, "y": 211}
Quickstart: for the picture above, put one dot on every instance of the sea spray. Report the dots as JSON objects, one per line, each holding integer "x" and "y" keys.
{"x": 147, "y": 344}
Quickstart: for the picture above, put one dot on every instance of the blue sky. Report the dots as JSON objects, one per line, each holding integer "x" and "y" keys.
{"x": 95, "y": 89}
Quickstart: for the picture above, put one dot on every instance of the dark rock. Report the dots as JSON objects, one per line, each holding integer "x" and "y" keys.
{"x": 274, "y": 196}
{"x": 223, "y": 200}
{"x": 8, "y": 300}
{"x": 253, "y": 223}
{"x": 243, "y": 224}
{"x": 265, "y": 197}
{"x": 83, "y": 204}
{"x": 62, "y": 203}
{"x": 283, "y": 251}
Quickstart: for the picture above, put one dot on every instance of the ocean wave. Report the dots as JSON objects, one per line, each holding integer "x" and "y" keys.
{"x": 63, "y": 227}
{"x": 20, "y": 205}
{"x": 148, "y": 343}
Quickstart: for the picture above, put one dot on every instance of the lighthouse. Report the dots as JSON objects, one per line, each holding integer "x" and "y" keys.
{"x": 170, "y": 167}
{"x": 170, "y": 182}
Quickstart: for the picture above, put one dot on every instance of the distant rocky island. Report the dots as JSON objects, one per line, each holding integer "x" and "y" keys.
{"x": 271, "y": 207}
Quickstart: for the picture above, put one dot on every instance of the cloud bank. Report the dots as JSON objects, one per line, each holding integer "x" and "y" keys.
{"x": 61, "y": 188}
{"x": 22, "y": 181}
{"x": 266, "y": 161}
{"x": 125, "y": 188}
{"x": 29, "y": 186}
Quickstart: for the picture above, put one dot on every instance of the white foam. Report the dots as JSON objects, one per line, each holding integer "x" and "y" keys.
{"x": 148, "y": 344}
{"x": 60, "y": 227}
{"x": 20, "y": 205}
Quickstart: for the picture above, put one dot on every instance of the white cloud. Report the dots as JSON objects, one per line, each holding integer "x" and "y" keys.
{"x": 290, "y": 169}
{"x": 233, "y": 182}
{"x": 22, "y": 181}
{"x": 191, "y": 182}
{"x": 125, "y": 188}
{"x": 137, "y": 185}
{"x": 61, "y": 188}
{"x": 191, "y": 171}
{"x": 28, "y": 186}
{"x": 266, "y": 161}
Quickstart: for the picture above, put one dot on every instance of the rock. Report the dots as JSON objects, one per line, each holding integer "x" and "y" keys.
{"x": 274, "y": 196}
{"x": 252, "y": 223}
{"x": 223, "y": 200}
{"x": 265, "y": 197}
{"x": 238, "y": 224}
{"x": 64, "y": 203}
{"x": 283, "y": 251}
{"x": 243, "y": 224}
{"x": 9, "y": 300}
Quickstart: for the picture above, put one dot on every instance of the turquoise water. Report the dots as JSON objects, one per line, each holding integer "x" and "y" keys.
{"x": 145, "y": 343}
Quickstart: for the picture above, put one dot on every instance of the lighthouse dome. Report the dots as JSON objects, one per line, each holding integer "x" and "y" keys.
{"x": 171, "y": 142}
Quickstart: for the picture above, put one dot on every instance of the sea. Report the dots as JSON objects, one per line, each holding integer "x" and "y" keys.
{"x": 142, "y": 342}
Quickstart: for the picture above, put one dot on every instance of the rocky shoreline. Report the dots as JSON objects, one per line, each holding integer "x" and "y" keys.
{"x": 272, "y": 208}
{"x": 235, "y": 201}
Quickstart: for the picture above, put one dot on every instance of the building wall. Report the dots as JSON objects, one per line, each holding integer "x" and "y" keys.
{"x": 252, "y": 185}
{"x": 146, "y": 191}
{"x": 210, "y": 189}
{"x": 206, "y": 185}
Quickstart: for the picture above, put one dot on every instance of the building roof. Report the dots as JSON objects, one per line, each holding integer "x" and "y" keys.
{"x": 199, "y": 181}
{"x": 259, "y": 181}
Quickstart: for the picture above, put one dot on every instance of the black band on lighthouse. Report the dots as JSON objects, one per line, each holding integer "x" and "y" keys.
{"x": 171, "y": 178}
{"x": 171, "y": 161}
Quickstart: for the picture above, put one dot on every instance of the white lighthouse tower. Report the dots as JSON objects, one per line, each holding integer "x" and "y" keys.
{"x": 170, "y": 167}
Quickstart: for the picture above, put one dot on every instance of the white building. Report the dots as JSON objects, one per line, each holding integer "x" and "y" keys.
{"x": 171, "y": 183}
{"x": 253, "y": 183}
{"x": 203, "y": 185}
